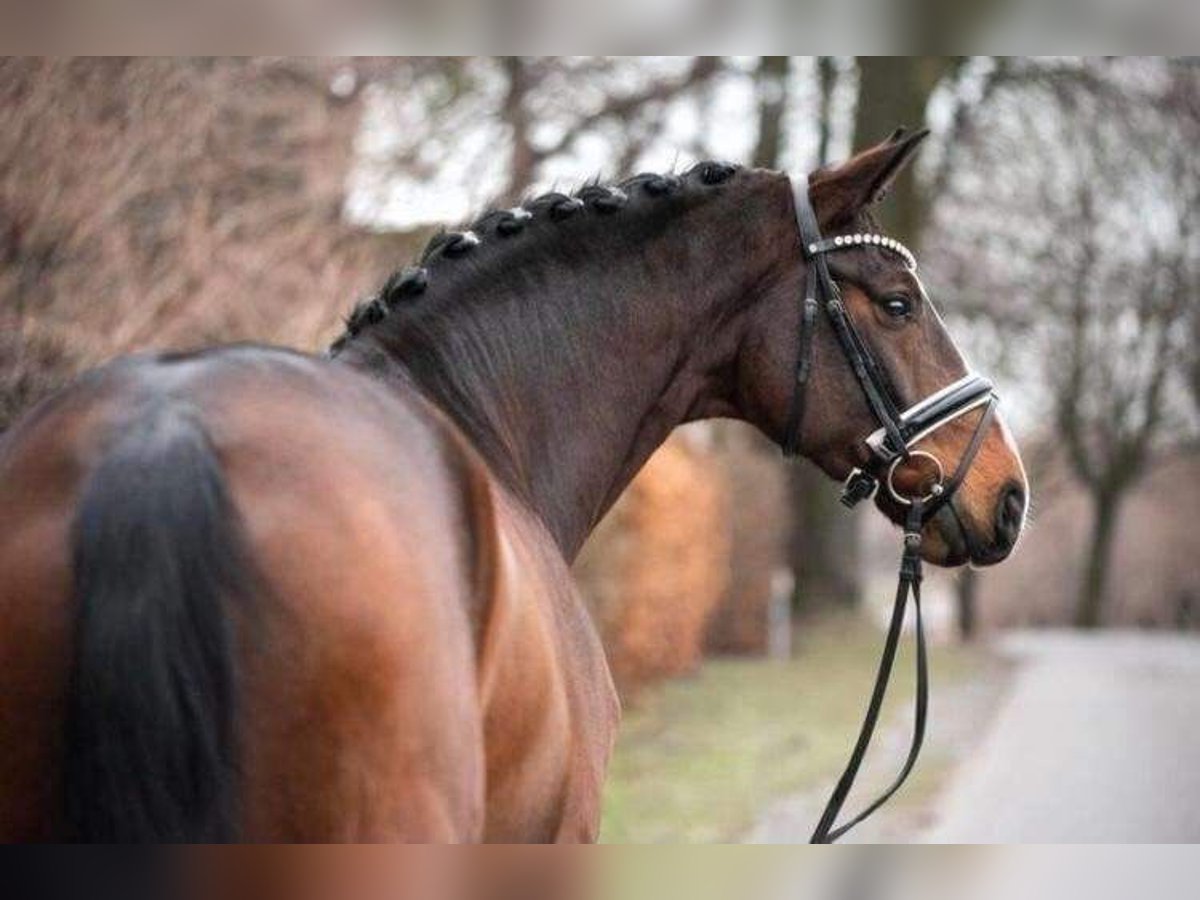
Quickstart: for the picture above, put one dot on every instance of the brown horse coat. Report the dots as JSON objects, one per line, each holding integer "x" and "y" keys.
{"x": 404, "y": 710}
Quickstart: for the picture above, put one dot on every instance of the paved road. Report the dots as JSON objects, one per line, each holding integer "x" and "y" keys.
{"x": 1098, "y": 741}
{"x": 1014, "y": 872}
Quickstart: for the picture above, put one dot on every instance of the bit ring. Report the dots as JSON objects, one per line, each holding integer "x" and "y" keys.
{"x": 934, "y": 492}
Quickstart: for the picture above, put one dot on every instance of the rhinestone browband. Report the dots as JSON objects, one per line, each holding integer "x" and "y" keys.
{"x": 868, "y": 240}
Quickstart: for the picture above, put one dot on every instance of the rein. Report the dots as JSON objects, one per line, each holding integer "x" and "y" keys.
{"x": 889, "y": 446}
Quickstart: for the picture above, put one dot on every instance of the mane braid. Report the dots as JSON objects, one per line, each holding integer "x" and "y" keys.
{"x": 409, "y": 283}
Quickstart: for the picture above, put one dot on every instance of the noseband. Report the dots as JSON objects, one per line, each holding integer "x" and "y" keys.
{"x": 887, "y": 448}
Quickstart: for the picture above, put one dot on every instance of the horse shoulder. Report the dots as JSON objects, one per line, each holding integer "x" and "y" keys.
{"x": 550, "y": 708}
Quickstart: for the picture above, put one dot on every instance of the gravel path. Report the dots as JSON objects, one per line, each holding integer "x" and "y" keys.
{"x": 1098, "y": 741}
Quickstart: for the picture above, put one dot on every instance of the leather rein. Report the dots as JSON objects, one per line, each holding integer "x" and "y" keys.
{"x": 893, "y": 443}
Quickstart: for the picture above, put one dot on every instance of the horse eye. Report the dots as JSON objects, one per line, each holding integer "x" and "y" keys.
{"x": 898, "y": 305}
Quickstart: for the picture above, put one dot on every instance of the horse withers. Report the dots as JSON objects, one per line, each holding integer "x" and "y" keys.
{"x": 249, "y": 594}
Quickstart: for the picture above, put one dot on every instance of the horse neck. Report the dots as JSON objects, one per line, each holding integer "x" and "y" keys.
{"x": 567, "y": 369}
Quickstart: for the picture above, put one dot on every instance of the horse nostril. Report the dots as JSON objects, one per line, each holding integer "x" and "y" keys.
{"x": 1009, "y": 513}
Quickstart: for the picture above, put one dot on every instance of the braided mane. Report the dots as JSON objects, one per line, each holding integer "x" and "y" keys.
{"x": 501, "y": 226}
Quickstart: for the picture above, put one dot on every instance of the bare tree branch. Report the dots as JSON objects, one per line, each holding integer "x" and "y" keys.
{"x": 623, "y": 106}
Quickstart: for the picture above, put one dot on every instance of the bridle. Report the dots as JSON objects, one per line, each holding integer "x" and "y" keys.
{"x": 888, "y": 447}
{"x": 898, "y": 432}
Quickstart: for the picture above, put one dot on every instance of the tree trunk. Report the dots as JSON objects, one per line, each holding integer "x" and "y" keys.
{"x": 772, "y": 85}
{"x": 967, "y": 595}
{"x": 1089, "y": 610}
{"x": 826, "y": 82}
{"x": 826, "y": 546}
{"x": 894, "y": 91}
{"x": 523, "y": 165}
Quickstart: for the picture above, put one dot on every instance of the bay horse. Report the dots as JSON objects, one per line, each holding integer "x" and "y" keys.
{"x": 250, "y": 594}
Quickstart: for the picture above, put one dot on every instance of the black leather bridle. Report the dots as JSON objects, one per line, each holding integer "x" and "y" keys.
{"x": 890, "y": 445}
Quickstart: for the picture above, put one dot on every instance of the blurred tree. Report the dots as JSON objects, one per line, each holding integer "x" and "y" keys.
{"x": 152, "y": 202}
{"x": 771, "y": 85}
{"x": 452, "y": 135}
{"x": 826, "y": 82}
{"x": 1110, "y": 397}
{"x": 1079, "y": 247}
{"x": 1183, "y": 99}
{"x": 1112, "y": 403}
{"x": 631, "y": 111}
{"x": 895, "y": 91}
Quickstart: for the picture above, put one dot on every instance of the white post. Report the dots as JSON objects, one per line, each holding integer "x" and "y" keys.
{"x": 779, "y": 614}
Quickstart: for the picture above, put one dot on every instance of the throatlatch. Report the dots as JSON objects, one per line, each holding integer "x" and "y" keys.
{"x": 889, "y": 446}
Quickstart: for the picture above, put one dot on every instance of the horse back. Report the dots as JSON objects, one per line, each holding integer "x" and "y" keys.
{"x": 411, "y": 669}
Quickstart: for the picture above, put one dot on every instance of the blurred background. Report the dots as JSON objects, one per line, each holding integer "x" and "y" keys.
{"x": 173, "y": 203}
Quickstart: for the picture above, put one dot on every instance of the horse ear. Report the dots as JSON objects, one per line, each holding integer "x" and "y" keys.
{"x": 841, "y": 191}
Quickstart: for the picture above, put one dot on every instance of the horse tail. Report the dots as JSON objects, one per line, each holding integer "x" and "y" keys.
{"x": 159, "y": 563}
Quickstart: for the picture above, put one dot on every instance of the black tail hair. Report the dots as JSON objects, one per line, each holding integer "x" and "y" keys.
{"x": 159, "y": 559}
